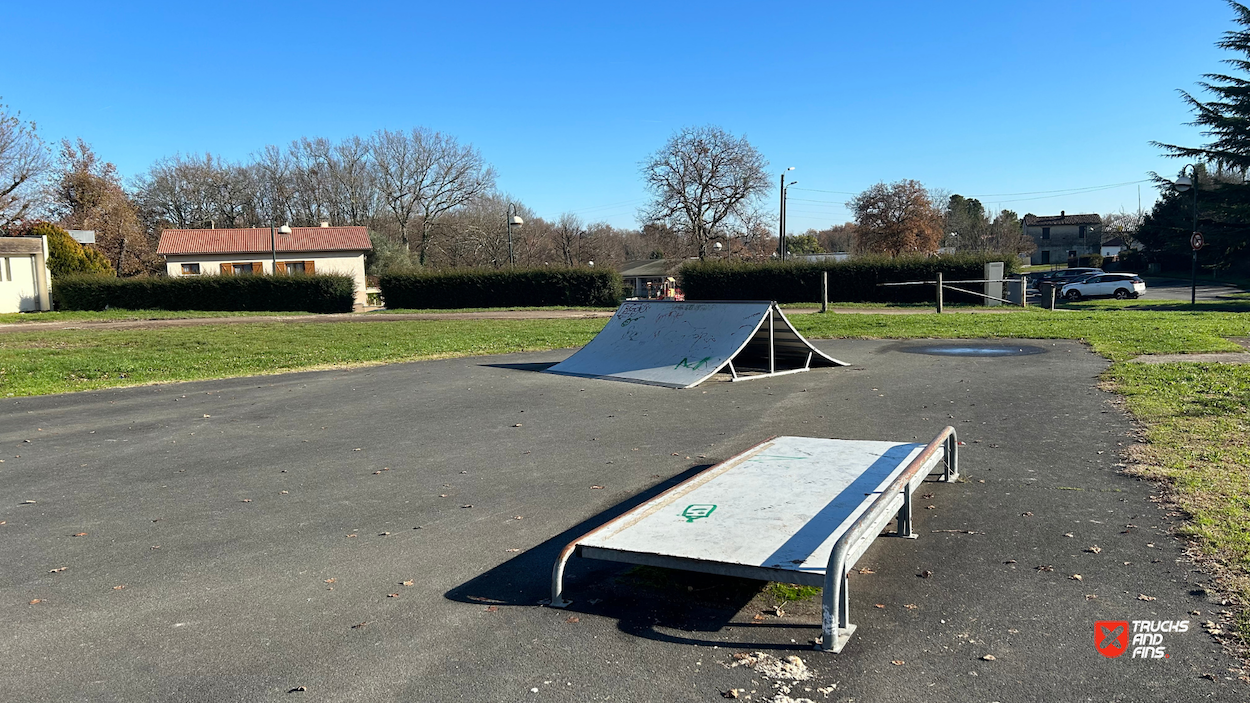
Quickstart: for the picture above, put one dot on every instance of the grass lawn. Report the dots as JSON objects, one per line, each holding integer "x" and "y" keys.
{"x": 384, "y": 311}
{"x": 1196, "y": 414}
{"x": 117, "y": 314}
{"x": 56, "y": 361}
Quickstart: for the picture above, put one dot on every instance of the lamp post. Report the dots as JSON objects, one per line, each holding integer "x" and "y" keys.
{"x": 513, "y": 220}
{"x": 717, "y": 247}
{"x": 1180, "y": 185}
{"x": 273, "y": 247}
{"x": 781, "y": 230}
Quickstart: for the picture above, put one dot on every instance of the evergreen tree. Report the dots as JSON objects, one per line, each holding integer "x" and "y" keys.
{"x": 1226, "y": 119}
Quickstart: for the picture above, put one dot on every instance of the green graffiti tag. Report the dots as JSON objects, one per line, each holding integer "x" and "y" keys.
{"x": 694, "y": 512}
{"x": 685, "y": 361}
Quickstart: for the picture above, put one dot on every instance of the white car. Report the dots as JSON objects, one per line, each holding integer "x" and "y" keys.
{"x": 1119, "y": 285}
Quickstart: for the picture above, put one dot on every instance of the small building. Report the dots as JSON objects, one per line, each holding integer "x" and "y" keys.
{"x": 1113, "y": 248}
{"x": 651, "y": 278}
{"x": 25, "y": 283}
{"x": 1063, "y": 238}
{"x": 247, "y": 252}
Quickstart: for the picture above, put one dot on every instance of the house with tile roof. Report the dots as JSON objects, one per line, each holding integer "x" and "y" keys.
{"x": 1063, "y": 238}
{"x": 255, "y": 251}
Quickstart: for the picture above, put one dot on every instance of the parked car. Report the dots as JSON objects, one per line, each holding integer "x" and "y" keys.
{"x": 1061, "y": 276}
{"x": 1119, "y": 285}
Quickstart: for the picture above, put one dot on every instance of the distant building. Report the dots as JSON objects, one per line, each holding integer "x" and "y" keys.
{"x": 82, "y": 236}
{"x": 1063, "y": 238}
{"x": 245, "y": 252}
{"x": 25, "y": 284}
{"x": 1113, "y": 247}
{"x": 651, "y": 278}
{"x": 826, "y": 256}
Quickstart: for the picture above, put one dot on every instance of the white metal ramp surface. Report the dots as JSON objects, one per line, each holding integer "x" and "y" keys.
{"x": 681, "y": 344}
{"x": 792, "y": 509}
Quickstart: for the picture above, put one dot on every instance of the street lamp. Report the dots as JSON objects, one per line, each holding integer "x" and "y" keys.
{"x": 781, "y": 233}
{"x": 273, "y": 246}
{"x": 514, "y": 220}
{"x": 1180, "y": 185}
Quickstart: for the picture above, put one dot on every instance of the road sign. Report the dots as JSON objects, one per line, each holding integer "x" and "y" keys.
{"x": 1196, "y": 241}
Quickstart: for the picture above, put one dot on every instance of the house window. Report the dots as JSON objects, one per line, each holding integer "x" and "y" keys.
{"x": 296, "y": 267}
{"x": 190, "y": 269}
{"x": 231, "y": 269}
{"x": 1045, "y": 233}
{"x": 1081, "y": 232}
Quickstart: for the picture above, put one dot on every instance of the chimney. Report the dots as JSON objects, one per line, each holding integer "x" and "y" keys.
{"x": 325, "y": 224}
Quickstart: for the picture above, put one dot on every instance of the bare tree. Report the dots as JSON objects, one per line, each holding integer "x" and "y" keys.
{"x": 568, "y": 232}
{"x": 22, "y": 160}
{"x": 705, "y": 181}
{"x": 195, "y": 191}
{"x": 354, "y": 189}
{"x": 451, "y": 175}
{"x": 398, "y": 168}
{"x": 425, "y": 174}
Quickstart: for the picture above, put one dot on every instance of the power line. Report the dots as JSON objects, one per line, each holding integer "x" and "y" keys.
{"x": 1064, "y": 190}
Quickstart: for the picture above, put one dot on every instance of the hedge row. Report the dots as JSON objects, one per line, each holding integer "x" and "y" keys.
{"x": 312, "y": 293}
{"x": 492, "y": 288}
{"x": 853, "y": 280}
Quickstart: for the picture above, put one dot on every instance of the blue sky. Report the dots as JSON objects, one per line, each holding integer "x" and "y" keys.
{"x": 1002, "y": 100}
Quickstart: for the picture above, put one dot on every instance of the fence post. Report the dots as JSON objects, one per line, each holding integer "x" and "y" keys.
{"x": 939, "y": 292}
{"x": 824, "y": 291}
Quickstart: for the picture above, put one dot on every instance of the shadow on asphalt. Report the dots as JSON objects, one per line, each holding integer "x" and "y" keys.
{"x": 538, "y": 367}
{"x": 645, "y": 601}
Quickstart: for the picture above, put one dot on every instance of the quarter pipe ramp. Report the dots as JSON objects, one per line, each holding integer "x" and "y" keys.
{"x": 680, "y": 344}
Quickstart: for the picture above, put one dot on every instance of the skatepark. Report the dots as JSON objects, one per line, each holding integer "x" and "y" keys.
{"x": 388, "y": 533}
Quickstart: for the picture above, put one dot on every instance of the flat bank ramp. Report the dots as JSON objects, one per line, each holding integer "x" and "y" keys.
{"x": 792, "y": 509}
{"x": 681, "y": 344}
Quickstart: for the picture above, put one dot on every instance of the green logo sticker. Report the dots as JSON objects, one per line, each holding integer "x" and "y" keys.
{"x": 685, "y": 361}
{"x": 694, "y": 512}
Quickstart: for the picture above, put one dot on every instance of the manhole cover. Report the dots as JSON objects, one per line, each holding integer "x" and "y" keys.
{"x": 973, "y": 350}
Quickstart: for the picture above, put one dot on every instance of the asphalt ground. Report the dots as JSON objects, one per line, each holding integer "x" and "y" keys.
{"x": 1178, "y": 289}
{"x": 241, "y": 539}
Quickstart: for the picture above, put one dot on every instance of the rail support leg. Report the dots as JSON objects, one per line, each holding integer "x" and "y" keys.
{"x": 952, "y": 458}
{"x": 904, "y": 516}
{"x": 557, "y": 580}
{"x": 837, "y": 604}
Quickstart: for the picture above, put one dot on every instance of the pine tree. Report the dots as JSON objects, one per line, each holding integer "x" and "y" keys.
{"x": 1226, "y": 119}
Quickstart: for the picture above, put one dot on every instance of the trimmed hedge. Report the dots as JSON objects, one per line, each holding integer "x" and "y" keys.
{"x": 312, "y": 293}
{"x": 495, "y": 288}
{"x": 852, "y": 281}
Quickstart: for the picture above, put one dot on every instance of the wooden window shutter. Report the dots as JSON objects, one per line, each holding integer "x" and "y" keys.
{"x": 281, "y": 267}
{"x": 227, "y": 269}
{"x": 258, "y": 268}
{"x": 308, "y": 267}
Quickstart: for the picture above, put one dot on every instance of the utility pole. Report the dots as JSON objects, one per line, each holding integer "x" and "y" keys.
{"x": 781, "y": 231}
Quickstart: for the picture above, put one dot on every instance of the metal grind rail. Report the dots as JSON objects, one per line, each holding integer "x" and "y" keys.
{"x": 798, "y": 510}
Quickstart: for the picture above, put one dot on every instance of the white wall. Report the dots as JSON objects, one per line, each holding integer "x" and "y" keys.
{"x": 348, "y": 263}
{"x": 25, "y": 284}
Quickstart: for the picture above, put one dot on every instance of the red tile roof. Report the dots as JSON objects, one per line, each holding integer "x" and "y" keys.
{"x": 256, "y": 240}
